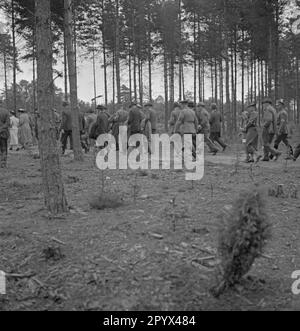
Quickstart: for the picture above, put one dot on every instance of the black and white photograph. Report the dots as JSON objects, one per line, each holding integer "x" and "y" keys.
{"x": 149, "y": 158}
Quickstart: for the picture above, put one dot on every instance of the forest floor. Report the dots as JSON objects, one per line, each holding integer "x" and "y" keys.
{"x": 137, "y": 257}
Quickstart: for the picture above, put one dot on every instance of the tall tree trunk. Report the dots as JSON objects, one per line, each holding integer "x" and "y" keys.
{"x": 78, "y": 155}
{"x": 150, "y": 58}
{"x": 5, "y": 78}
{"x": 54, "y": 194}
{"x": 94, "y": 76}
{"x": 14, "y": 55}
{"x": 66, "y": 77}
{"x": 166, "y": 90}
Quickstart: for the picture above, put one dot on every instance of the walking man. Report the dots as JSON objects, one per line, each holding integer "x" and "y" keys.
{"x": 174, "y": 118}
{"x": 283, "y": 130}
{"x": 252, "y": 134}
{"x": 204, "y": 127}
{"x": 188, "y": 123}
{"x": 216, "y": 126}
{"x": 4, "y": 135}
{"x": 269, "y": 131}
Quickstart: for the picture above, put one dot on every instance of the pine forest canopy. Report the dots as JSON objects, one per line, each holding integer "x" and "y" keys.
{"x": 227, "y": 51}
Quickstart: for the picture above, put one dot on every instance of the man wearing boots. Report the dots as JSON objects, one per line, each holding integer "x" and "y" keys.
{"x": 4, "y": 135}
{"x": 269, "y": 131}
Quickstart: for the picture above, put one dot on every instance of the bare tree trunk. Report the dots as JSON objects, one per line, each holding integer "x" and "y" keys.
{"x": 166, "y": 91}
{"x": 14, "y": 55}
{"x": 54, "y": 194}
{"x": 5, "y": 79}
{"x": 78, "y": 155}
{"x": 66, "y": 77}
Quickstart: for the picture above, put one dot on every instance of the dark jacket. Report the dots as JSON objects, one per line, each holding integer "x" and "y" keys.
{"x": 4, "y": 123}
{"x": 216, "y": 122}
{"x": 101, "y": 126}
{"x": 66, "y": 120}
{"x": 135, "y": 120}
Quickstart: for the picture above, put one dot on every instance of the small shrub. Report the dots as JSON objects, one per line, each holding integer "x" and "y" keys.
{"x": 105, "y": 201}
{"x": 242, "y": 239}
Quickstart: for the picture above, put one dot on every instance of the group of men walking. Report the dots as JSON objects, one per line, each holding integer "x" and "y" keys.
{"x": 186, "y": 119}
{"x": 274, "y": 126}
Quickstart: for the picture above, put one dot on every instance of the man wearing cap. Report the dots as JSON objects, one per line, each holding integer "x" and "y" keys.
{"x": 4, "y": 135}
{"x": 188, "y": 123}
{"x": 204, "y": 127}
{"x": 269, "y": 130}
{"x": 283, "y": 130}
{"x": 66, "y": 127}
{"x": 216, "y": 127}
{"x": 174, "y": 118}
{"x": 252, "y": 135}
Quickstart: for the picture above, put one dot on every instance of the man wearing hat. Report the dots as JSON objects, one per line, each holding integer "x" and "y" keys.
{"x": 252, "y": 135}
{"x": 283, "y": 130}
{"x": 13, "y": 132}
{"x": 204, "y": 127}
{"x": 174, "y": 118}
{"x": 269, "y": 130}
{"x": 4, "y": 135}
{"x": 216, "y": 126}
{"x": 66, "y": 127}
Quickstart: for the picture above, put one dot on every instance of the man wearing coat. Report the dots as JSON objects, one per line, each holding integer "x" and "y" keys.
{"x": 216, "y": 127}
{"x": 118, "y": 120}
{"x": 204, "y": 127}
{"x": 269, "y": 130}
{"x": 188, "y": 124}
{"x": 4, "y": 135}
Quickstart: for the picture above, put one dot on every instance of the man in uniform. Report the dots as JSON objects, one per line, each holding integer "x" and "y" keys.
{"x": 269, "y": 130}
{"x": 252, "y": 135}
{"x": 283, "y": 130}
{"x": 4, "y": 135}
{"x": 204, "y": 127}
{"x": 216, "y": 126}
{"x": 188, "y": 124}
{"x": 174, "y": 118}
